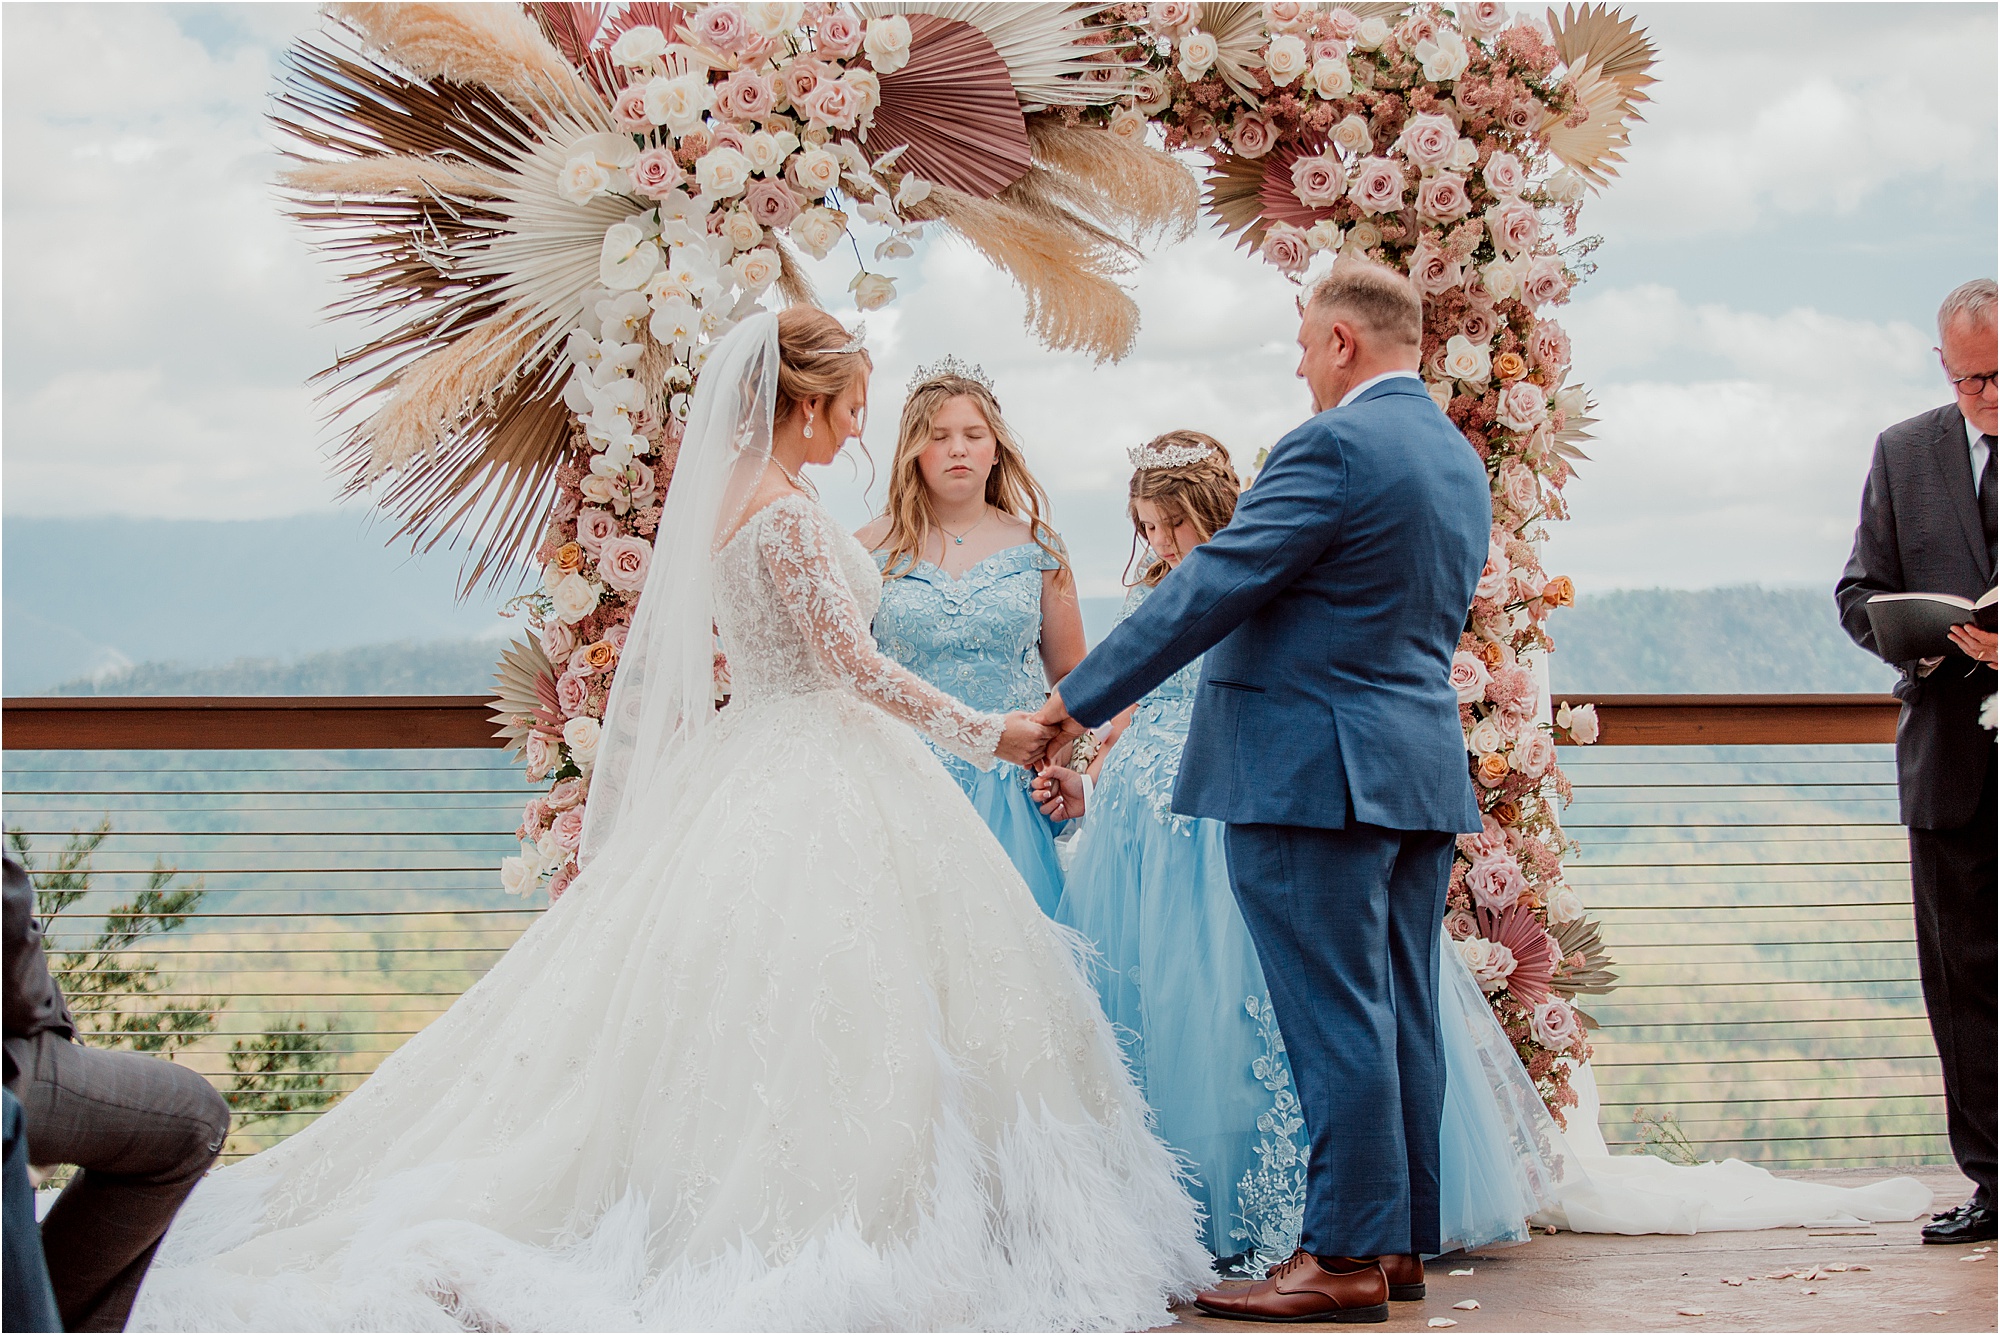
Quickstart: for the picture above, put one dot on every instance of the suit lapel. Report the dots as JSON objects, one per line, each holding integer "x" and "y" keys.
{"x": 1954, "y": 461}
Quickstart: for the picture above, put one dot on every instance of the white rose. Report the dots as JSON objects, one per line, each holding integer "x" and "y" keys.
{"x": 1464, "y": 155}
{"x": 575, "y": 598}
{"x": 816, "y": 171}
{"x": 639, "y": 46}
{"x": 774, "y": 20}
{"x": 582, "y": 179}
{"x": 767, "y": 152}
{"x": 1486, "y": 737}
{"x": 1325, "y": 235}
{"x": 722, "y": 172}
{"x": 515, "y": 878}
{"x": 678, "y": 103}
{"x": 580, "y": 736}
{"x": 551, "y": 849}
{"x": 740, "y": 230}
{"x": 1467, "y": 361}
{"x": 1502, "y": 279}
{"x": 1566, "y": 186}
{"x": 1444, "y": 57}
{"x": 1129, "y": 123}
{"x": 1331, "y": 77}
{"x": 888, "y": 43}
{"x": 532, "y": 859}
{"x": 1197, "y": 56}
{"x": 1285, "y": 59}
{"x": 756, "y": 269}
{"x": 1353, "y": 135}
{"x": 1565, "y": 906}
{"x": 628, "y": 258}
{"x": 596, "y": 490}
{"x": 872, "y": 291}
{"x": 818, "y": 231}
{"x": 1371, "y": 34}
{"x": 1440, "y": 392}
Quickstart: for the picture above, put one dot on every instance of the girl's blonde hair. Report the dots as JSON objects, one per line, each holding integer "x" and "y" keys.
{"x": 1202, "y": 493}
{"x": 1010, "y": 487}
{"x": 810, "y": 362}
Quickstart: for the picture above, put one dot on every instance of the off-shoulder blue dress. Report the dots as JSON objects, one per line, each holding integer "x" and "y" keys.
{"x": 979, "y": 637}
{"x": 1179, "y": 979}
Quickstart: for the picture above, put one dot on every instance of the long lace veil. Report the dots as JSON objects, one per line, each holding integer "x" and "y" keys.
{"x": 663, "y": 696}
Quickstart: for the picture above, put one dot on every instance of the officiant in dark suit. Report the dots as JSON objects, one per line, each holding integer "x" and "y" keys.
{"x": 1927, "y": 526}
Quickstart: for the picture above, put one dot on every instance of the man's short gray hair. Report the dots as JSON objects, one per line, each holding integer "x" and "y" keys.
{"x": 1973, "y": 300}
{"x": 1373, "y": 296}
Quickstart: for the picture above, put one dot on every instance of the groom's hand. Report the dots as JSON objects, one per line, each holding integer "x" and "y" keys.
{"x": 1065, "y": 729}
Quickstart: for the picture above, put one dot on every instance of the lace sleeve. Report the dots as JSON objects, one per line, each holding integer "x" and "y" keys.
{"x": 797, "y": 546}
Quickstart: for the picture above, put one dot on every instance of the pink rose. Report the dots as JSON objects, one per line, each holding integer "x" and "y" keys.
{"x": 1513, "y": 689}
{"x": 1459, "y": 924}
{"x": 1523, "y": 407}
{"x": 745, "y": 96}
{"x": 1253, "y": 136}
{"x": 1514, "y": 226}
{"x": 833, "y": 104}
{"x": 1287, "y": 248}
{"x": 1432, "y": 271}
{"x": 1378, "y": 186}
{"x": 1549, "y": 346}
{"x": 1479, "y": 325}
{"x": 1553, "y": 1024}
{"x": 1443, "y": 197}
{"x": 1417, "y": 28}
{"x": 1329, "y": 48}
{"x": 1285, "y": 15}
{"x": 727, "y": 136}
{"x": 616, "y": 633}
{"x": 1483, "y": 18}
{"x": 565, "y": 795}
{"x": 622, "y": 562}
{"x": 539, "y": 756}
{"x": 655, "y": 174}
{"x": 1580, "y": 722}
{"x": 568, "y": 829}
{"x": 1520, "y": 116}
{"x": 801, "y": 77}
{"x": 561, "y": 882}
{"x": 557, "y": 640}
{"x": 1172, "y": 19}
{"x": 771, "y": 203}
{"x": 1429, "y": 141}
{"x": 1318, "y": 180}
{"x": 593, "y": 526}
{"x": 718, "y": 27}
{"x": 1468, "y": 676}
{"x": 572, "y": 693}
{"x": 1490, "y": 842}
{"x": 630, "y": 109}
{"x": 1504, "y": 176}
{"x": 535, "y": 815}
{"x": 1342, "y": 24}
{"x": 1496, "y": 883}
{"x": 1518, "y": 488}
{"x": 838, "y": 35}
{"x": 567, "y": 502}
{"x": 1547, "y": 281}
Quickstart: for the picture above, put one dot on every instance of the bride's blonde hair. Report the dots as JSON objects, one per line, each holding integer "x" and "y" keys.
{"x": 810, "y": 360}
{"x": 1010, "y": 488}
{"x": 1202, "y": 493}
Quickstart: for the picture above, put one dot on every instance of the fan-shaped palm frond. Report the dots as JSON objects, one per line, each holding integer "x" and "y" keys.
{"x": 1238, "y": 30}
{"x": 954, "y": 106}
{"x": 1533, "y": 949}
{"x": 1043, "y": 45}
{"x": 1609, "y": 60}
{"x": 1584, "y": 967}
{"x": 1233, "y": 196}
{"x": 1576, "y": 429}
{"x": 526, "y": 695}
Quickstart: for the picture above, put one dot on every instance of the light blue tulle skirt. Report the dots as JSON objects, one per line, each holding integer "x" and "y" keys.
{"x": 1179, "y": 979}
{"x": 1001, "y": 797}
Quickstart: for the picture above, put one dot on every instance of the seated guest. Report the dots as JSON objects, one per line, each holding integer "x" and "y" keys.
{"x": 26, "y": 1302}
{"x": 140, "y": 1130}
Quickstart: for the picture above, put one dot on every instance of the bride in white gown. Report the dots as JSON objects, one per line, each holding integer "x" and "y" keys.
{"x": 796, "y": 1051}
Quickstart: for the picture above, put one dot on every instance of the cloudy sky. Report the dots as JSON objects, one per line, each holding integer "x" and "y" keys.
{"x": 1810, "y": 180}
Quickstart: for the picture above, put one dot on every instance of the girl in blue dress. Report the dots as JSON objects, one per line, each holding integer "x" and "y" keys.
{"x": 977, "y": 595}
{"x": 1180, "y": 980}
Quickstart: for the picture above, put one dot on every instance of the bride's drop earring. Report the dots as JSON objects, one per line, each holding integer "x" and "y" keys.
{"x": 809, "y": 424}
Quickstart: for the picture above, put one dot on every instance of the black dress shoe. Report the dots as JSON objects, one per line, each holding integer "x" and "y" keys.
{"x": 1968, "y": 1223}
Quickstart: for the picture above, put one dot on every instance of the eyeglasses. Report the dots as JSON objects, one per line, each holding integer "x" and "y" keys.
{"x": 1968, "y": 385}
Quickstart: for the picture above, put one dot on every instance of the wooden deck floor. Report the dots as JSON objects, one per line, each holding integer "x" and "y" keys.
{"x": 1593, "y": 1282}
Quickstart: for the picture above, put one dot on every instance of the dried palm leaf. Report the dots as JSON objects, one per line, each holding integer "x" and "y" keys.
{"x": 1063, "y": 269}
{"x": 1389, "y": 11}
{"x": 1589, "y": 975}
{"x": 953, "y": 109}
{"x": 1133, "y": 185}
{"x": 1233, "y": 194}
{"x": 1576, "y": 429}
{"x": 1533, "y": 949}
{"x": 443, "y": 388}
{"x": 574, "y": 28}
{"x": 496, "y": 46}
{"x": 1238, "y": 30}
{"x": 526, "y": 695}
{"x": 1609, "y": 61}
{"x": 1048, "y": 60}
{"x": 392, "y": 174}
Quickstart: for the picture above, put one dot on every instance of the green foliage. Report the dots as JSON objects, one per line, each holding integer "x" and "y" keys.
{"x": 121, "y": 999}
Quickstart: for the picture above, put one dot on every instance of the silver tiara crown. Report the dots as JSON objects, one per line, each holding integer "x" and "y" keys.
{"x": 856, "y": 343}
{"x": 1167, "y": 456}
{"x": 949, "y": 365}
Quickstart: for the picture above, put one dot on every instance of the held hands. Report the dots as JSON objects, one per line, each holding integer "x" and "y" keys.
{"x": 1059, "y": 792}
{"x": 1064, "y": 730}
{"x": 1023, "y": 739}
{"x": 1976, "y": 644}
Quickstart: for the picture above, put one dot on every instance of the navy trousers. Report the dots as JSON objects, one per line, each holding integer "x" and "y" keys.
{"x": 1346, "y": 925}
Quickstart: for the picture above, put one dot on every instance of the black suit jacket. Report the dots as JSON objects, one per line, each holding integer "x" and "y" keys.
{"x": 1920, "y": 533}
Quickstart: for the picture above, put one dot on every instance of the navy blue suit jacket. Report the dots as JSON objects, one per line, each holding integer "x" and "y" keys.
{"x": 1330, "y": 608}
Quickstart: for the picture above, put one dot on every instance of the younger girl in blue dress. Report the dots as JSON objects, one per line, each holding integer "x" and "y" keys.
{"x": 1179, "y": 977}
{"x": 977, "y": 595}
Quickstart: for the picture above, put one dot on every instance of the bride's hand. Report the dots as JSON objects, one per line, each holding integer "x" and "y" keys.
{"x": 1058, "y": 791}
{"x": 1022, "y": 739}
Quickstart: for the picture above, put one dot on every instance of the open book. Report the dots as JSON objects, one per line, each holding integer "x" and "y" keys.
{"x": 1917, "y": 625}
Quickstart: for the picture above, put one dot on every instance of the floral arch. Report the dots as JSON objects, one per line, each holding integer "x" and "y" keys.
{"x": 548, "y": 211}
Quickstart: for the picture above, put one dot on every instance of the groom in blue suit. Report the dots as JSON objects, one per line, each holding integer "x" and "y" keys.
{"x": 1326, "y": 736}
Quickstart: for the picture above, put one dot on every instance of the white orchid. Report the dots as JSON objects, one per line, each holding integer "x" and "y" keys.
{"x": 676, "y": 324}
{"x": 914, "y": 190}
{"x": 880, "y": 209}
{"x": 622, "y": 317}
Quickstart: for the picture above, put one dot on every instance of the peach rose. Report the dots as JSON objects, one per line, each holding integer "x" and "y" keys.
{"x": 1443, "y": 197}
{"x": 600, "y": 655}
{"x": 569, "y": 558}
{"x": 1506, "y": 812}
{"x": 1492, "y": 770}
{"x": 1378, "y": 186}
{"x": 1510, "y": 366}
{"x": 1559, "y": 591}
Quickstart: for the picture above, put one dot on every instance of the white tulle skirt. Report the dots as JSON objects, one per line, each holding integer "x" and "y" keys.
{"x": 802, "y": 1054}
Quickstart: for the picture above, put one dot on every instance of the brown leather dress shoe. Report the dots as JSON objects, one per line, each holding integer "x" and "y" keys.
{"x": 1405, "y": 1275}
{"x": 1302, "y": 1289}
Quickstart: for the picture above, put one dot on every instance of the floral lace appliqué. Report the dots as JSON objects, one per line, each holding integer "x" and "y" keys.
{"x": 1271, "y": 1198}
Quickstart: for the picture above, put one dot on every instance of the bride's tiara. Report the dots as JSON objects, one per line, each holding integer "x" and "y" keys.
{"x": 1167, "y": 456}
{"x": 950, "y": 366}
{"x": 856, "y": 343}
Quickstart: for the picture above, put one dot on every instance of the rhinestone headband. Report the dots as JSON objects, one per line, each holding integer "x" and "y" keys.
{"x": 949, "y": 365}
{"x": 856, "y": 343}
{"x": 1167, "y": 456}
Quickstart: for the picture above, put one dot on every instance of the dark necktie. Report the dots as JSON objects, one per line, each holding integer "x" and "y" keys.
{"x": 1986, "y": 490}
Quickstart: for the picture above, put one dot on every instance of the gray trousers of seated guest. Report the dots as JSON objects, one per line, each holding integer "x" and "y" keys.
{"x": 141, "y": 1132}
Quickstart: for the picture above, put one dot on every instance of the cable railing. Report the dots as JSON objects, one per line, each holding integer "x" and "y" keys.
{"x": 1742, "y": 853}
